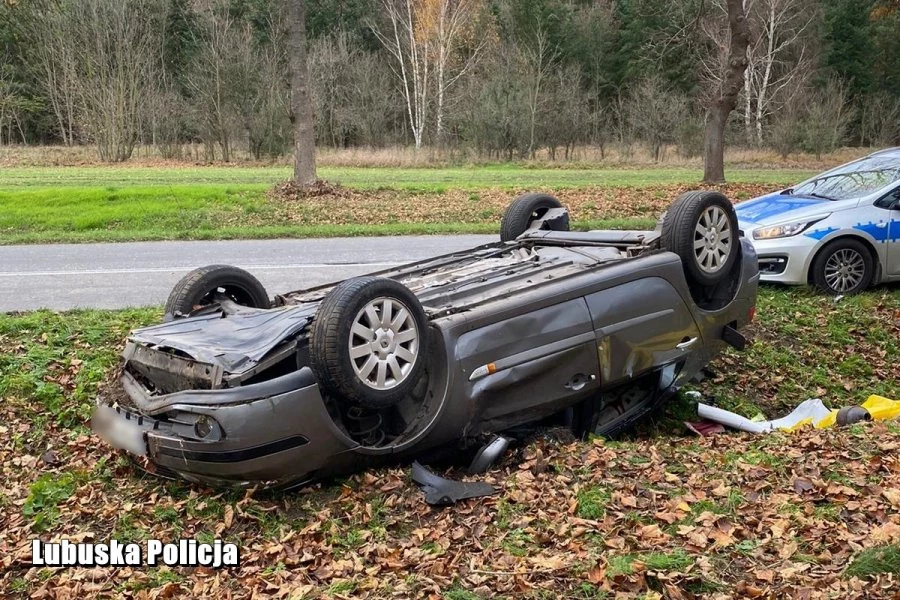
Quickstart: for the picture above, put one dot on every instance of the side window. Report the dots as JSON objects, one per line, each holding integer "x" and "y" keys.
{"x": 891, "y": 200}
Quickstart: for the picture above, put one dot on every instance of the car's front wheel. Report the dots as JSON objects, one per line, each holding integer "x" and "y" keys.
{"x": 368, "y": 341}
{"x": 845, "y": 266}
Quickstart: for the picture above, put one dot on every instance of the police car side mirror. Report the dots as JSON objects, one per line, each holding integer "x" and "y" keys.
{"x": 891, "y": 201}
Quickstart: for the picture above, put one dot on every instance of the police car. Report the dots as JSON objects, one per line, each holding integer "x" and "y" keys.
{"x": 839, "y": 230}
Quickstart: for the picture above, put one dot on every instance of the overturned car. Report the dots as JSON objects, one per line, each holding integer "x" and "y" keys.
{"x": 587, "y": 329}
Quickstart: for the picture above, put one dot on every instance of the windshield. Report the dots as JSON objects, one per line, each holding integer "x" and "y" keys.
{"x": 854, "y": 180}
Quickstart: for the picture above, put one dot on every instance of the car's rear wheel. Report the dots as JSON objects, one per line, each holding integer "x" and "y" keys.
{"x": 524, "y": 210}
{"x": 368, "y": 341}
{"x": 845, "y": 266}
{"x": 213, "y": 283}
{"x": 701, "y": 228}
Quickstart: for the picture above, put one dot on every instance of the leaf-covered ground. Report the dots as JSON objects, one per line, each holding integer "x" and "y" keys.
{"x": 656, "y": 514}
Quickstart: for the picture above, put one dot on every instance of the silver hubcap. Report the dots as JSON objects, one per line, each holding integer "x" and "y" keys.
{"x": 712, "y": 239}
{"x": 384, "y": 343}
{"x": 844, "y": 270}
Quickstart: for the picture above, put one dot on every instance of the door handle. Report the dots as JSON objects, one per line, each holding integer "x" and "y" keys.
{"x": 687, "y": 343}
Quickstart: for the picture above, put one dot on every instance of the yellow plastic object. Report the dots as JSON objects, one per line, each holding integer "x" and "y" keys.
{"x": 799, "y": 425}
{"x": 881, "y": 408}
{"x": 828, "y": 421}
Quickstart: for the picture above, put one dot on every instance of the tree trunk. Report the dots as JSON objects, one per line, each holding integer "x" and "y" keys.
{"x": 727, "y": 97}
{"x": 301, "y": 105}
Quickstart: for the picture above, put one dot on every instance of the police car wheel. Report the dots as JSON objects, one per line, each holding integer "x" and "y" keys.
{"x": 845, "y": 266}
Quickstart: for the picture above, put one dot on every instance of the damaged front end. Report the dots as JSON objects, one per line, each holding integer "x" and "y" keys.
{"x": 215, "y": 413}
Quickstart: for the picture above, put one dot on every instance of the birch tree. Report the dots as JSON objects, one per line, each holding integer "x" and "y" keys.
{"x": 777, "y": 58}
{"x": 425, "y": 39}
{"x": 449, "y": 23}
{"x": 409, "y": 47}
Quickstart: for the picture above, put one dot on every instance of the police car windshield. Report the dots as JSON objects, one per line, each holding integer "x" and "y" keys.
{"x": 854, "y": 180}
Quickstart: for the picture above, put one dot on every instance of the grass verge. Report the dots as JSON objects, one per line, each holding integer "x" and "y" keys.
{"x": 435, "y": 180}
{"x": 31, "y": 214}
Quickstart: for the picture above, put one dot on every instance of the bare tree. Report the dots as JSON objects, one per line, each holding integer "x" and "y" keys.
{"x": 117, "y": 53}
{"x": 53, "y": 52}
{"x": 778, "y": 57}
{"x": 267, "y": 111}
{"x": 879, "y": 120}
{"x": 656, "y": 113}
{"x": 828, "y": 116}
{"x": 301, "y": 105}
{"x": 11, "y": 106}
{"x": 450, "y": 22}
{"x": 540, "y": 56}
{"x": 725, "y": 95}
{"x": 219, "y": 75}
{"x": 410, "y": 51}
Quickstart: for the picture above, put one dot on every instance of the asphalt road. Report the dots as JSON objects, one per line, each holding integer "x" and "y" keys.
{"x": 64, "y": 276}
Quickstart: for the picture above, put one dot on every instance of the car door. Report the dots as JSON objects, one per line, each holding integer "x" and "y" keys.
{"x": 641, "y": 325}
{"x": 528, "y": 366}
{"x": 889, "y": 204}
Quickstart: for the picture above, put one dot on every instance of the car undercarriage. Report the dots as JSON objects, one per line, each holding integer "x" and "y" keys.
{"x": 590, "y": 329}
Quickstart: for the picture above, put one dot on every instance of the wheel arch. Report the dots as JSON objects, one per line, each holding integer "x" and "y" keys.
{"x": 838, "y": 236}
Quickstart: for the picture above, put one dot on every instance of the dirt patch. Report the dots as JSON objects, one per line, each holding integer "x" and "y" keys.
{"x": 334, "y": 205}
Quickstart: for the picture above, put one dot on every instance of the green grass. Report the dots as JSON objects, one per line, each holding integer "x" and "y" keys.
{"x": 806, "y": 346}
{"x": 109, "y": 204}
{"x": 677, "y": 560}
{"x": 45, "y": 494}
{"x": 372, "y": 178}
{"x": 592, "y": 502}
{"x": 872, "y": 561}
{"x": 52, "y": 363}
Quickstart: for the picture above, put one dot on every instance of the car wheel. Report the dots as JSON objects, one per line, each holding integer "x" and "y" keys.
{"x": 368, "y": 341}
{"x": 522, "y": 211}
{"x": 207, "y": 285}
{"x": 844, "y": 266}
{"x": 701, "y": 228}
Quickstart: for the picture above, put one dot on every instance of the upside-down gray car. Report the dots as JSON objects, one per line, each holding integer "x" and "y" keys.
{"x": 589, "y": 329}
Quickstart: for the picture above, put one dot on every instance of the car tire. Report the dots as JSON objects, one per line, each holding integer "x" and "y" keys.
{"x": 520, "y": 213}
{"x": 844, "y": 266}
{"x": 702, "y": 229}
{"x": 201, "y": 286}
{"x": 372, "y": 364}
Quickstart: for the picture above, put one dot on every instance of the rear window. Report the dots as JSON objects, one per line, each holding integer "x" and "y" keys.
{"x": 854, "y": 180}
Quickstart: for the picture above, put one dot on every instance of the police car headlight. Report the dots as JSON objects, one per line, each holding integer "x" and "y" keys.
{"x": 786, "y": 229}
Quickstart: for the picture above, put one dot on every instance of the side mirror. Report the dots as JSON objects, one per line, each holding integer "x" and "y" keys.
{"x": 890, "y": 201}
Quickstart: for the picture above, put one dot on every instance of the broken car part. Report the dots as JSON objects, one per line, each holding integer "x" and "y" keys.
{"x": 488, "y": 454}
{"x": 443, "y": 492}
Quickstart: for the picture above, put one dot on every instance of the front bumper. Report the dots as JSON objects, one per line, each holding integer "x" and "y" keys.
{"x": 785, "y": 260}
{"x": 272, "y": 433}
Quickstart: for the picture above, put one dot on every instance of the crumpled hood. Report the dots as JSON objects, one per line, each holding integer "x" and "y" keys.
{"x": 778, "y": 208}
{"x": 236, "y": 341}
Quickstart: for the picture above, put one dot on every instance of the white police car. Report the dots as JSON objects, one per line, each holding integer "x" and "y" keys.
{"x": 839, "y": 230}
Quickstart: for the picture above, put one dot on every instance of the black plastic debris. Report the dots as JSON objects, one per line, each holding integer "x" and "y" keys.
{"x": 444, "y": 492}
{"x": 489, "y": 454}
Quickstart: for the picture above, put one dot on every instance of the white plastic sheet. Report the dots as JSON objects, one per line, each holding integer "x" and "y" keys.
{"x": 808, "y": 409}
